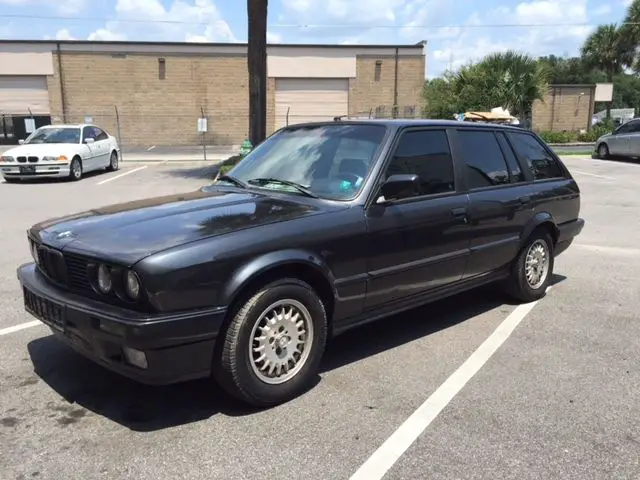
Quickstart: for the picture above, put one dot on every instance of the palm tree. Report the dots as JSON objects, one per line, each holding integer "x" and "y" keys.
{"x": 608, "y": 49}
{"x": 257, "y": 67}
{"x": 630, "y": 31}
{"x": 511, "y": 80}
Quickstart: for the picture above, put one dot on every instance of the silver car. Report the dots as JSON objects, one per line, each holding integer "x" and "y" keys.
{"x": 624, "y": 141}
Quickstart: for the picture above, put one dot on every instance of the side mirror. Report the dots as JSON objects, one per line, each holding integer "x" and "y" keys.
{"x": 21, "y": 141}
{"x": 397, "y": 187}
{"x": 89, "y": 141}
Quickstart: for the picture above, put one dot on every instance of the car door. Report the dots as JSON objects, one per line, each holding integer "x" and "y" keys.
{"x": 102, "y": 144}
{"x": 499, "y": 197}
{"x": 618, "y": 142}
{"x": 421, "y": 243}
{"x": 91, "y": 161}
{"x": 632, "y": 140}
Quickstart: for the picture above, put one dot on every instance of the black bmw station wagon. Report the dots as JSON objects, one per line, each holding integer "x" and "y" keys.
{"x": 321, "y": 228}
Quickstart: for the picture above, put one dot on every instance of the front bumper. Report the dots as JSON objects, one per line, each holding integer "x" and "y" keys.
{"x": 177, "y": 346}
{"x": 38, "y": 170}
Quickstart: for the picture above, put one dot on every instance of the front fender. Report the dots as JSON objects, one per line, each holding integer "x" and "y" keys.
{"x": 263, "y": 263}
{"x": 539, "y": 219}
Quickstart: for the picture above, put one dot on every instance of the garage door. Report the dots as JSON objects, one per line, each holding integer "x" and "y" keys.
{"x": 310, "y": 99}
{"x": 19, "y": 94}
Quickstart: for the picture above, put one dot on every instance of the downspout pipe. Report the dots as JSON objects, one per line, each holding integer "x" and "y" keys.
{"x": 63, "y": 99}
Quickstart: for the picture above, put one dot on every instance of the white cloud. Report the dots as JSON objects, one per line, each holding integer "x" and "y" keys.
{"x": 191, "y": 21}
{"x": 105, "y": 34}
{"x": 457, "y": 44}
{"x": 474, "y": 43}
{"x": 273, "y": 37}
{"x": 64, "y": 34}
{"x": 64, "y": 7}
{"x": 604, "y": 9}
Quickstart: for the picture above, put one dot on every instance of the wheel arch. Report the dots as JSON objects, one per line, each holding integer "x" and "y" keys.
{"x": 541, "y": 221}
{"x": 299, "y": 264}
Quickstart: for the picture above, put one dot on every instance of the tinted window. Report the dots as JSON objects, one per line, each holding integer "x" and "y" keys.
{"x": 634, "y": 127}
{"x": 330, "y": 160}
{"x": 514, "y": 167}
{"x": 100, "y": 134}
{"x": 425, "y": 153}
{"x": 485, "y": 164}
{"x": 539, "y": 161}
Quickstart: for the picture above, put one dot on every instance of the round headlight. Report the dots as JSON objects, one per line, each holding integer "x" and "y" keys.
{"x": 104, "y": 279}
{"x": 133, "y": 285}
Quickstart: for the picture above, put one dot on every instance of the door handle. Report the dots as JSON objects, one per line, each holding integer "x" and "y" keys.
{"x": 460, "y": 213}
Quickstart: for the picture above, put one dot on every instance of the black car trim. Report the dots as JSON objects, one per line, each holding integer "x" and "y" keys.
{"x": 408, "y": 303}
{"x": 498, "y": 243}
{"x": 420, "y": 263}
{"x": 40, "y": 286}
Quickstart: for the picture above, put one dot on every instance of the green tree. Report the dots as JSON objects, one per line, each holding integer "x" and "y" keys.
{"x": 440, "y": 100}
{"x": 608, "y": 50}
{"x": 571, "y": 71}
{"x": 511, "y": 80}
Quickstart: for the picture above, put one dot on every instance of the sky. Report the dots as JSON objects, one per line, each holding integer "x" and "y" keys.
{"x": 456, "y": 32}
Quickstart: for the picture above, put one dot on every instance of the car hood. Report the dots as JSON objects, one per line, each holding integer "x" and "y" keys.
{"x": 128, "y": 232}
{"x": 40, "y": 149}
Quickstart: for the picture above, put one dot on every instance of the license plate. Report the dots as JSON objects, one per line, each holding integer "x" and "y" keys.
{"x": 51, "y": 313}
{"x": 28, "y": 169}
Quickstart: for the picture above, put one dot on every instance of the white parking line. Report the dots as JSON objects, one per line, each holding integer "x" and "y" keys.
{"x": 392, "y": 449}
{"x": 151, "y": 148}
{"x": 613, "y": 250}
{"x": 22, "y": 326}
{"x": 129, "y": 172}
{"x": 580, "y": 172}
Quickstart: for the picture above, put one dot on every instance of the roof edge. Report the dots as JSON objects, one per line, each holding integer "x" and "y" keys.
{"x": 417, "y": 46}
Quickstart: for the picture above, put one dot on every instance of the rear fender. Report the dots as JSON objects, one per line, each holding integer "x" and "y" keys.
{"x": 541, "y": 218}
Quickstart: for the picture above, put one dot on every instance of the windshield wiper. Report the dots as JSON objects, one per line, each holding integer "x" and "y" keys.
{"x": 297, "y": 186}
{"x": 237, "y": 182}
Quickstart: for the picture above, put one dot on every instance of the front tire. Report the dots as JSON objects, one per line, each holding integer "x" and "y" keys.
{"x": 603, "y": 151}
{"x": 272, "y": 348}
{"x": 75, "y": 169}
{"x": 532, "y": 271}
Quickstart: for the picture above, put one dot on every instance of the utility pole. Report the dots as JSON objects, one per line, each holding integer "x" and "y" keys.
{"x": 257, "y": 67}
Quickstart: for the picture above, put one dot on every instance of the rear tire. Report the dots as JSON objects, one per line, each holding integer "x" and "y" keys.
{"x": 75, "y": 169}
{"x": 114, "y": 163}
{"x": 271, "y": 350}
{"x": 532, "y": 271}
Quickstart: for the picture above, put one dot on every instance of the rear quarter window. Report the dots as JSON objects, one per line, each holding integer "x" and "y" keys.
{"x": 540, "y": 162}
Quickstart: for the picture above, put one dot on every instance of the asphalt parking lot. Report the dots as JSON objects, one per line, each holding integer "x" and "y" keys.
{"x": 557, "y": 399}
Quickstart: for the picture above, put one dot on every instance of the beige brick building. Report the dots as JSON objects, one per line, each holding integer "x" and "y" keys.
{"x": 565, "y": 108}
{"x": 154, "y": 93}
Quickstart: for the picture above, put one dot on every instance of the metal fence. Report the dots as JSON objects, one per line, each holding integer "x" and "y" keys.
{"x": 224, "y": 126}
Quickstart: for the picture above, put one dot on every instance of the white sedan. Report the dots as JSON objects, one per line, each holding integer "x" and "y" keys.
{"x": 61, "y": 151}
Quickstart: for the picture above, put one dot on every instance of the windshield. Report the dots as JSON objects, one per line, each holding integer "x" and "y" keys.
{"x": 328, "y": 161}
{"x": 54, "y": 135}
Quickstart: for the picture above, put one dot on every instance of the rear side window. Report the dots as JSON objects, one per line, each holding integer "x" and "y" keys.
{"x": 483, "y": 158}
{"x": 425, "y": 153}
{"x": 539, "y": 161}
{"x": 510, "y": 157}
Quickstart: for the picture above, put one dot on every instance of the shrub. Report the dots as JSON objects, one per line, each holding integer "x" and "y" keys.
{"x": 597, "y": 131}
{"x": 228, "y": 164}
{"x": 558, "y": 137}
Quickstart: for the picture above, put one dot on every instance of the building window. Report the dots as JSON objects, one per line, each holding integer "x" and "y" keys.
{"x": 161, "y": 69}
{"x": 377, "y": 71}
